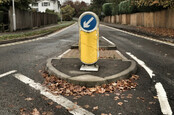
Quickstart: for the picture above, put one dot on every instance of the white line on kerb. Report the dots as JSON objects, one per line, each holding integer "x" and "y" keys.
{"x": 7, "y": 73}
{"x": 108, "y": 40}
{"x": 148, "y": 38}
{"x": 162, "y": 97}
{"x": 165, "y": 107}
{"x": 60, "y": 56}
{"x": 73, "y": 108}
{"x": 140, "y": 62}
{"x": 122, "y": 56}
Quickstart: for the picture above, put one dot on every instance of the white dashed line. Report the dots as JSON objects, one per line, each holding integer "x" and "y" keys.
{"x": 161, "y": 93}
{"x": 8, "y": 73}
{"x": 165, "y": 107}
{"x": 148, "y": 38}
{"x": 108, "y": 40}
{"x": 73, "y": 108}
{"x": 40, "y": 38}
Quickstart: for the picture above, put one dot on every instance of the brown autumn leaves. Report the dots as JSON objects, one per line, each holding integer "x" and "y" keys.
{"x": 61, "y": 87}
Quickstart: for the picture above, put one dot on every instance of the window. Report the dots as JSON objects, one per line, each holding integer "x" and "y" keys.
{"x": 35, "y": 4}
{"x": 45, "y": 4}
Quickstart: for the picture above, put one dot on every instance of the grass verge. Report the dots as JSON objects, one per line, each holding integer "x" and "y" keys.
{"x": 36, "y": 32}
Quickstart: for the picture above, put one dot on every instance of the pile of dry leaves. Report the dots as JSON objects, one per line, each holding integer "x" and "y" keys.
{"x": 159, "y": 31}
{"x": 62, "y": 87}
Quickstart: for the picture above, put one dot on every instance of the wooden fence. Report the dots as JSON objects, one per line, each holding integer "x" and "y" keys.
{"x": 163, "y": 19}
{"x": 28, "y": 20}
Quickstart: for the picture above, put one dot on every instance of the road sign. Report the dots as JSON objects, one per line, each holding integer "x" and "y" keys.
{"x": 88, "y": 21}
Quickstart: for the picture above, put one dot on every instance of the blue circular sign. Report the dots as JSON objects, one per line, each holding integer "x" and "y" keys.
{"x": 88, "y": 22}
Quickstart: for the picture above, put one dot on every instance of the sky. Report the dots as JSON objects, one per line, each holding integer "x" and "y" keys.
{"x": 87, "y": 1}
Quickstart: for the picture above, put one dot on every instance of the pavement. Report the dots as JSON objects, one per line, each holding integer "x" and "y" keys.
{"x": 136, "y": 30}
{"x": 112, "y": 66}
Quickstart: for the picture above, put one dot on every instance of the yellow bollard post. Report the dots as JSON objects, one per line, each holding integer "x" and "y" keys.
{"x": 89, "y": 40}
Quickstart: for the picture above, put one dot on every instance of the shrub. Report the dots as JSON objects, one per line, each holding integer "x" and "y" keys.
{"x": 67, "y": 13}
{"x": 127, "y": 7}
{"x": 115, "y": 10}
{"x": 107, "y": 9}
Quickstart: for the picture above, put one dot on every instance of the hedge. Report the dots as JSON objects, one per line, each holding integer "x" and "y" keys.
{"x": 127, "y": 7}
{"x": 107, "y": 9}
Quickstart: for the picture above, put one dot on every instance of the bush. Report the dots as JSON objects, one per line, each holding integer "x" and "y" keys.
{"x": 67, "y": 13}
{"x": 1, "y": 16}
{"x": 149, "y": 8}
{"x": 115, "y": 10}
{"x": 107, "y": 9}
{"x": 127, "y": 7}
{"x": 49, "y": 11}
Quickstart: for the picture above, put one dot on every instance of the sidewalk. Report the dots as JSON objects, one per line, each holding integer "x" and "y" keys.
{"x": 143, "y": 31}
{"x": 112, "y": 66}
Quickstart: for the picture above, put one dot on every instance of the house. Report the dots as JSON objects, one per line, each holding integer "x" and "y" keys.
{"x": 42, "y": 5}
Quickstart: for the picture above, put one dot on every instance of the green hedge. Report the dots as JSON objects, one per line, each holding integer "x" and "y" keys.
{"x": 149, "y": 8}
{"x": 1, "y": 16}
{"x": 127, "y": 7}
{"x": 107, "y": 9}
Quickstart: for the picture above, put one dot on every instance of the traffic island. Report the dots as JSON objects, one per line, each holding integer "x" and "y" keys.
{"x": 112, "y": 67}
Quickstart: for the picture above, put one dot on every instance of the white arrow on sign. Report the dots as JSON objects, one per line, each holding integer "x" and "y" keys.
{"x": 86, "y": 24}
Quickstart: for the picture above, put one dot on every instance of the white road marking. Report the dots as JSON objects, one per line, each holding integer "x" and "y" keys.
{"x": 73, "y": 108}
{"x": 140, "y": 62}
{"x": 60, "y": 56}
{"x": 122, "y": 56}
{"x": 108, "y": 40}
{"x": 162, "y": 97}
{"x": 148, "y": 38}
{"x": 40, "y": 38}
{"x": 8, "y": 73}
{"x": 165, "y": 107}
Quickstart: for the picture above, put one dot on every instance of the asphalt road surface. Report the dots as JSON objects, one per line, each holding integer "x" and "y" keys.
{"x": 28, "y": 58}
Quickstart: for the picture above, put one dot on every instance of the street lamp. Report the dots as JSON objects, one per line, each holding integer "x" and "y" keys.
{"x": 14, "y": 16}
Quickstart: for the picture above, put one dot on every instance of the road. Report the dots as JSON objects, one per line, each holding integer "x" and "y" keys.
{"x": 30, "y": 57}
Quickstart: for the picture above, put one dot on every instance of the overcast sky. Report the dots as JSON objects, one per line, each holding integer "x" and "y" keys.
{"x": 87, "y": 1}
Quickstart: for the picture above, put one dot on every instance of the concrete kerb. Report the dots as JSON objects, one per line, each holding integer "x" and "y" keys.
{"x": 90, "y": 80}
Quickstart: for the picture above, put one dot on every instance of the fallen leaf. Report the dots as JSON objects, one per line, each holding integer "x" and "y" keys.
{"x": 116, "y": 98}
{"x": 152, "y": 103}
{"x": 95, "y": 108}
{"x": 58, "y": 106}
{"x": 29, "y": 99}
{"x": 50, "y": 103}
{"x": 86, "y": 106}
{"x": 120, "y": 103}
{"x": 35, "y": 112}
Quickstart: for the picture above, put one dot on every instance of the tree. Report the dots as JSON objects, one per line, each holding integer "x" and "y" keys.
{"x": 163, "y": 3}
{"x": 21, "y": 4}
{"x": 79, "y": 7}
{"x": 67, "y": 12}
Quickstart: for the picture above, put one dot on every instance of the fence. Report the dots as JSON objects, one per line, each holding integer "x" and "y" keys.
{"x": 163, "y": 19}
{"x": 28, "y": 20}
{"x": 4, "y": 21}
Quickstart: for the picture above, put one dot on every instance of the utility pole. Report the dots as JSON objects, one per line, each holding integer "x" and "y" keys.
{"x": 14, "y": 16}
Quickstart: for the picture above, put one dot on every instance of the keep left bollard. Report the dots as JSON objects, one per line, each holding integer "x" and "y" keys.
{"x": 89, "y": 41}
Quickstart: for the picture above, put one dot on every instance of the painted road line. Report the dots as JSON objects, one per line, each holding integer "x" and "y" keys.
{"x": 162, "y": 97}
{"x": 73, "y": 108}
{"x": 7, "y": 73}
{"x": 60, "y": 56}
{"x": 148, "y": 38}
{"x": 108, "y": 40}
{"x": 165, "y": 107}
{"x": 40, "y": 38}
{"x": 140, "y": 62}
